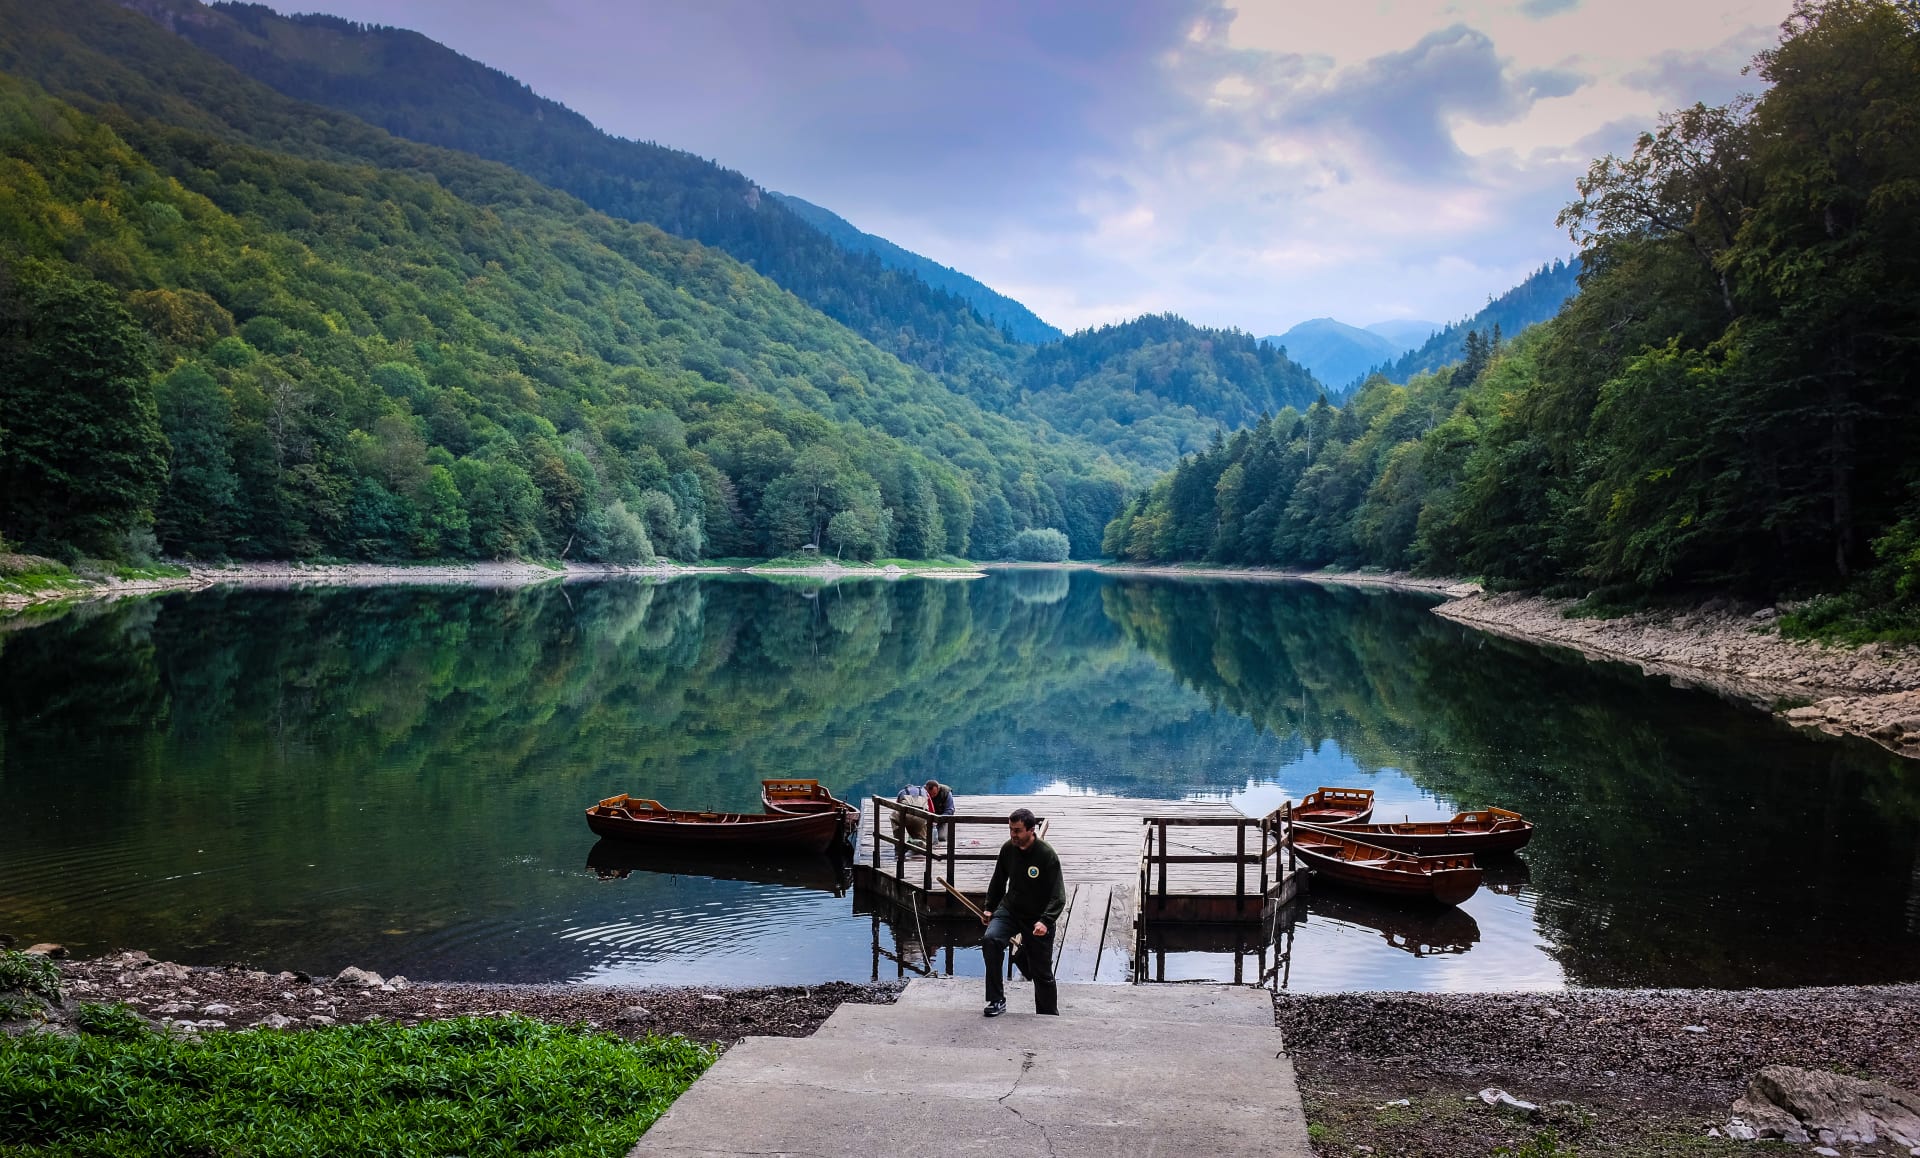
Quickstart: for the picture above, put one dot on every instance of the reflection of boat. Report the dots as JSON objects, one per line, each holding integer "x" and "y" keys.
{"x": 1507, "y": 876}
{"x": 822, "y": 872}
{"x": 1447, "y": 879}
{"x": 626, "y": 817}
{"x": 1334, "y": 806}
{"x": 1485, "y": 831}
{"x": 806, "y": 796}
{"x": 1424, "y": 931}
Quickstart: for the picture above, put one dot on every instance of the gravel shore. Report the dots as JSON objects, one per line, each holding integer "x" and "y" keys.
{"x": 1614, "y": 1072}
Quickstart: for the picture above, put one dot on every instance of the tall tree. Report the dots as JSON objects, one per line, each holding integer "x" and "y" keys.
{"x": 82, "y": 457}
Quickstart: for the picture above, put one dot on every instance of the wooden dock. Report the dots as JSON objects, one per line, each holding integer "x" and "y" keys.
{"x": 1134, "y": 870}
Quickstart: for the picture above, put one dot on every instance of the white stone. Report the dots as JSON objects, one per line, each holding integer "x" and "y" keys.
{"x": 319, "y": 1019}
{"x": 275, "y": 1021}
{"x": 1694, "y": 1028}
{"x": 1826, "y": 1151}
{"x": 366, "y": 979}
{"x": 217, "y": 1009}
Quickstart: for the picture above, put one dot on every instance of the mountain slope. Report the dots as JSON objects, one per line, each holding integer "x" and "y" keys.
{"x": 1404, "y": 333}
{"x": 1529, "y": 303}
{"x": 418, "y": 89}
{"x": 1017, "y": 320}
{"x": 383, "y": 349}
{"x": 1335, "y": 352}
{"x": 1158, "y": 387}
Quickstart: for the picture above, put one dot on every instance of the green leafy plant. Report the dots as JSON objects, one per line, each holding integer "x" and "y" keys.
{"x": 30, "y": 974}
{"x": 469, "y": 1086}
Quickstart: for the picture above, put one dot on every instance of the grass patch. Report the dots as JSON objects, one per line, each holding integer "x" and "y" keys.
{"x": 1852, "y": 618}
{"x": 35, "y": 574}
{"x": 471, "y": 1086}
{"x": 29, "y": 974}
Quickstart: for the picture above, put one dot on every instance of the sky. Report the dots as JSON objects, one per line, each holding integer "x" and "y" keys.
{"x": 1250, "y": 166}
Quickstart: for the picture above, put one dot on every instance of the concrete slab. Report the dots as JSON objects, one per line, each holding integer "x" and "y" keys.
{"x": 886, "y": 1024}
{"x": 1156, "y": 1070}
{"x": 1236, "y": 1005}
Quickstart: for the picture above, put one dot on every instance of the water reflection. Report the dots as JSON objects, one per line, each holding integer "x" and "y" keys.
{"x": 393, "y": 778}
{"x": 1420, "y": 930}
{"x": 619, "y": 859}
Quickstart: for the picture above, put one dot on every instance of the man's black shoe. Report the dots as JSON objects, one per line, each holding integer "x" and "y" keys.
{"x": 994, "y": 1009}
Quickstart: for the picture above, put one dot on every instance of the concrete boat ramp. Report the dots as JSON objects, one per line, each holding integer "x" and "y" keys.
{"x": 1124, "y": 1070}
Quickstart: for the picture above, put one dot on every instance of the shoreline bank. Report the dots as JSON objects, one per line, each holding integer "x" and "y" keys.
{"x": 1871, "y": 692}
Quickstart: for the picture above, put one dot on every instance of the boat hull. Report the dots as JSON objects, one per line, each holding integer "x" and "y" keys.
{"x": 1447, "y": 880}
{"x": 794, "y": 832}
{"x": 1456, "y": 837}
{"x": 1342, "y": 806}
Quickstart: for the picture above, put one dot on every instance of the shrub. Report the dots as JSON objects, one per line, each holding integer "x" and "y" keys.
{"x": 1039, "y": 546}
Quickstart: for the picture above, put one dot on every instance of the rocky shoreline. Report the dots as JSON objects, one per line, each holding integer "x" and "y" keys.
{"x": 196, "y": 998}
{"x": 1616, "y": 1072}
{"x": 1871, "y": 691}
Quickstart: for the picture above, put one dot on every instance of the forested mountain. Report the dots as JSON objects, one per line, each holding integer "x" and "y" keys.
{"x": 1019, "y": 322}
{"x": 1404, "y": 333}
{"x": 1155, "y": 388}
{"x": 1727, "y": 405}
{"x": 1532, "y": 301}
{"x": 1336, "y": 353}
{"x": 419, "y": 89}
{"x": 378, "y": 349}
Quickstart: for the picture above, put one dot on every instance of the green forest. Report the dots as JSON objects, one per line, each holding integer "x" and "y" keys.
{"x": 1726, "y": 406}
{"x": 362, "y": 348}
{"x": 237, "y": 325}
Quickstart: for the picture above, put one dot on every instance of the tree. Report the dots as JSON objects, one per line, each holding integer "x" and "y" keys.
{"x": 196, "y": 514}
{"x": 82, "y": 457}
{"x": 1040, "y": 545}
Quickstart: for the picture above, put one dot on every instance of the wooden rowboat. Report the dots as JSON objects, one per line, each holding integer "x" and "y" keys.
{"x": 1335, "y": 857}
{"x": 1490, "y": 830}
{"x": 634, "y": 818}
{"x": 808, "y": 796}
{"x": 1342, "y": 806}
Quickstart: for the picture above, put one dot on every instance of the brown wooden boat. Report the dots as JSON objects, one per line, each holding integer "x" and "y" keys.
{"x": 1336, "y": 857}
{"x": 809, "y": 796}
{"x": 1342, "y": 806}
{"x": 1489, "y": 830}
{"x": 634, "y": 818}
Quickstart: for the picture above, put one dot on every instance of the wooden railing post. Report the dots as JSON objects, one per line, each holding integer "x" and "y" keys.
{"x": 951, "y": 828}
{"x": 1239, "y": 869}
{"x": 1163, "y": 858}
{"x": 876, "y": 839}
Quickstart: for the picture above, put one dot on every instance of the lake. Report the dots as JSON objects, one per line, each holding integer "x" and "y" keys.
{"x": 394, "y": 777}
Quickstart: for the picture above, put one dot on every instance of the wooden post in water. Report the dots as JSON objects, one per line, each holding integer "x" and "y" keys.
{"x": 1163, "y": 857}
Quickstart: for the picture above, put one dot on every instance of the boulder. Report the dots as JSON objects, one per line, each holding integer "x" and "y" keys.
{"x": 1799, "y": 1105}
{"x": 275, "y": 1021}
{"x": 218, "y": 1009}
{"x": 353, "y": 975}
{"x": 46, "y": 949}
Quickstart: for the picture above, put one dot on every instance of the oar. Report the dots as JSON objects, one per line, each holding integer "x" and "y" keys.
{"x": 976, "y": 910}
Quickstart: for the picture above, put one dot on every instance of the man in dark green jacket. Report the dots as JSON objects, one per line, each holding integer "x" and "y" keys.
{"x": 1027, "y": 896}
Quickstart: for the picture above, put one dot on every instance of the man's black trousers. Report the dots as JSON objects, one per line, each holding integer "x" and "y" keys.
{"x": 1038, "y": 960}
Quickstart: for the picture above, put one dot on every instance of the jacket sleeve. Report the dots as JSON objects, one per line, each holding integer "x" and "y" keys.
{"x": 1057, "y": 903}
{"x": 997, "y": 887}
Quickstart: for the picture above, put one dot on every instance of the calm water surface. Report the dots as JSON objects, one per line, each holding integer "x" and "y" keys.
{"x": 394, "y": 778}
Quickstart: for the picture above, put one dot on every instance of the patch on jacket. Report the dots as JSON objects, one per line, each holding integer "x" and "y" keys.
{"x": 1033, "y": 871}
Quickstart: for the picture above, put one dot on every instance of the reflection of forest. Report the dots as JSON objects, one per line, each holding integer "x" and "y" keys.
{"x": 1681, "y": 840}
{"x": 335, "y": 768}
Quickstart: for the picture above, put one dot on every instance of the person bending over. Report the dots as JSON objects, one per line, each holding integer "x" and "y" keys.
{"x": 940, "y": 803}
{"x": 1026, "y": 896}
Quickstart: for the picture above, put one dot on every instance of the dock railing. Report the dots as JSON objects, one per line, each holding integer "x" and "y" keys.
{"x": 947, "y": 853}
{"x": 1155, "y": 854}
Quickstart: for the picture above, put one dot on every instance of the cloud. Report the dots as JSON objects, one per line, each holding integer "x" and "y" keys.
{"x": 1541, "y": 9}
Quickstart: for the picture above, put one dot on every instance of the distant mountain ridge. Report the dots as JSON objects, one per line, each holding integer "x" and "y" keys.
{"x": 1158, "y": 387}
{"x": 1534, "y": 300}
{"x": 1017, "y": 320}
{"x": 1336, "y": 352}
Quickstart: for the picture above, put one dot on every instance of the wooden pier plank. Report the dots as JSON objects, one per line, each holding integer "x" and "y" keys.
{"x": 1079, "y": 956}
{"x": 1116, "y": 946}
